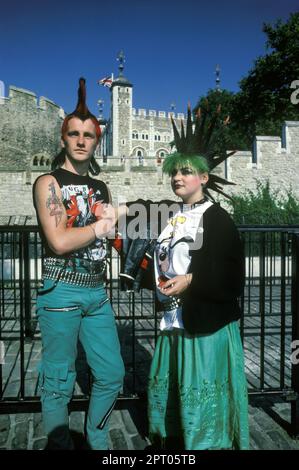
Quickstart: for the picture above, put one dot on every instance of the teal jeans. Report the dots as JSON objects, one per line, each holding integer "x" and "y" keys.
{"x": 66, "y": 314}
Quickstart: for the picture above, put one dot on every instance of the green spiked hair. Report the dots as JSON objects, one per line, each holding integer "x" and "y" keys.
{"x": 202, "y": 146}
{"x": 176, "y": 160}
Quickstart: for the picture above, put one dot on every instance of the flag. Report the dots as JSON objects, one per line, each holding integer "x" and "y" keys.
{"x": 106, "y": 81}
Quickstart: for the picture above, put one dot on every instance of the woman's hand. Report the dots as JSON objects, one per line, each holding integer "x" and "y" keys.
{"x": 177, "y": 285}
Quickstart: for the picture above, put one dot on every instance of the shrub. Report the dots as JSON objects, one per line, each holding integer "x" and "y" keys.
{"x": 265, "y": 206}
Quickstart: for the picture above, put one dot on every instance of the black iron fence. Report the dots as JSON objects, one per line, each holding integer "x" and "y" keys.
{"x": 269, "y": 325}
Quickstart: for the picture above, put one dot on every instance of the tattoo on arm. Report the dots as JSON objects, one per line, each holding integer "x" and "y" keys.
{"x": 54, "y": 204}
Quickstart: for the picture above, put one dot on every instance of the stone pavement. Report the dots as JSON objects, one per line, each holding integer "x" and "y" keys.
{"x": 128, "y": 429}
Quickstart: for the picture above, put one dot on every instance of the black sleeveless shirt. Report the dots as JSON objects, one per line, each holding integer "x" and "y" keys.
{"x": 81, "y": 197}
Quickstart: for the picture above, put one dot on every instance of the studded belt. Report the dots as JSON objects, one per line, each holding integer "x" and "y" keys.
{"x": 75, "y": 278}
{"x": 91, "y": 267}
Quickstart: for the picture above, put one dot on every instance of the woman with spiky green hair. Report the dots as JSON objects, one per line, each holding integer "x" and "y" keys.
{"x": 197, "y": 392}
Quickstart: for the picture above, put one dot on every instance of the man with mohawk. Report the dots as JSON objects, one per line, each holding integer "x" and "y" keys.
{"x": 74, "y": 215}
{"x": 197, "y": 393}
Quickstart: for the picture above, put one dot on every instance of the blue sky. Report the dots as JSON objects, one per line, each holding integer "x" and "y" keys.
{"x": 171, "y": 47}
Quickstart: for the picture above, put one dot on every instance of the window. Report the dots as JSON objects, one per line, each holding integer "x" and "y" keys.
{"x": 140, "y": 157}
{"x": 160, "y": 155}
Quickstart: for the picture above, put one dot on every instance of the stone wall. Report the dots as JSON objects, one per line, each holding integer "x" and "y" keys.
{"x": 154, "y": 132}
{"x": 28, "y": 129}
{"x": 273, "y": 158}
{"x": 31, "y": 130}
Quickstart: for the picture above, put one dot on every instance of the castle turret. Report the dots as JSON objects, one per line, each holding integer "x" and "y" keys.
{"x": 121, "y": 112}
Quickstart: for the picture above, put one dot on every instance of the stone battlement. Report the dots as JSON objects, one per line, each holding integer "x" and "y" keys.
{"x": 21, "y": 96}
{"x": 30, "y": 137}
{"x": 29, "y": 126}
{"x": 151, "y": 113}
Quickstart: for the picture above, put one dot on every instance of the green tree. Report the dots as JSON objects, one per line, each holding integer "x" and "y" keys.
{"x": 263, "y": 102}
{"x": 226, "y": 99}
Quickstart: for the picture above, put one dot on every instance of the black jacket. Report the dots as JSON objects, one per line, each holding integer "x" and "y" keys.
{"x": 218, "y": 270}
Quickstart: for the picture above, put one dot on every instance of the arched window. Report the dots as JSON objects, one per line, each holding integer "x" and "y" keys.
{"x": 35, "y": 161}
{"x": 144, "y": 135}
{"x": 160, "y": 156}
{"x": 42, "y": 161}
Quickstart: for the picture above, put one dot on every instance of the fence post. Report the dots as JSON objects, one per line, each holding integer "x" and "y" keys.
{"x": 29, "y": 330}
{"x": 295, "y": 333}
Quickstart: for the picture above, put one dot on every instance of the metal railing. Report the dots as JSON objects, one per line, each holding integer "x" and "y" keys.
{"x": 269, "y": 325}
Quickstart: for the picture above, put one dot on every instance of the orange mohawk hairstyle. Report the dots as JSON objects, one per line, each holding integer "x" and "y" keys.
{"x": 82, "y": 112}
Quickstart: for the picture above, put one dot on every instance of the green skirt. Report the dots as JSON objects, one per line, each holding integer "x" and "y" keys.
{"x": 197, "y": 393}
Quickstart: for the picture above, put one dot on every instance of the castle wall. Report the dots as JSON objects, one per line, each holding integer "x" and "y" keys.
{"x": 16, "y": 193}
{"x": 27, "y": 128}
{"x": 154, "y": 131}
{"x": 273, "y": 158}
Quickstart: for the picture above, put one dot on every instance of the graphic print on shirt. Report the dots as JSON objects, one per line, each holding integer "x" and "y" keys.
{"x": 172, "y": 261}
{"x": 172, "y": 256}
{"x": 84, "y": 206}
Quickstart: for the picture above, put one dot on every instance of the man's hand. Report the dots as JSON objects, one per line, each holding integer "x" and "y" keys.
{"x": 177, "y": 285}
{"x": 107, "y": 220}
